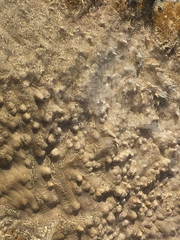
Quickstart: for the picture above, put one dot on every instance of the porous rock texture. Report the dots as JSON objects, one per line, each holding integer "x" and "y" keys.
{"x": 89, "y": 120}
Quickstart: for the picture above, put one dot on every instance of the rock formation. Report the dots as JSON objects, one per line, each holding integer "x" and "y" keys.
{"x": 89, "y": 120}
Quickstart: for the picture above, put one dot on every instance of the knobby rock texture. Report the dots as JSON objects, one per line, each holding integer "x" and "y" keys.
{"x": 89, "y": 120}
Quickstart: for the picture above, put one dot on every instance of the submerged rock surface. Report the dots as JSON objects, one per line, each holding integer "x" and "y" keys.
{"x": 89, "y": 120}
